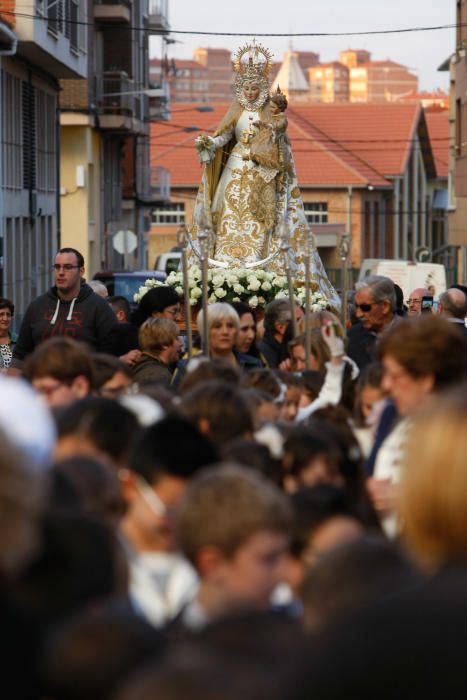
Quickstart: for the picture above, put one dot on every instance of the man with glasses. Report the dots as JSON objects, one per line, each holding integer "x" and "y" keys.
{"x": 70, "y": 308}
{"x": 414, "y": 302}
{"x": 375, "y": 305}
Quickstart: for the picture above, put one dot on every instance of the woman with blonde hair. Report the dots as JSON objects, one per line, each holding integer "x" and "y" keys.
{"x": 433, "y": 489}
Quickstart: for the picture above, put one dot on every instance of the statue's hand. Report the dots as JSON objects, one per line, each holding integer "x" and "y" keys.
{"x": 205, "y": 147}
{"x": 204, "y": 142}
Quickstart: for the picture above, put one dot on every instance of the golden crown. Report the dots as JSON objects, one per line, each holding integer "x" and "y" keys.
{"x": 252, "y": 60}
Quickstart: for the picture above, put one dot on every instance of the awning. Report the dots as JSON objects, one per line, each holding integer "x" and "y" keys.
{"x": 440, "y": 199}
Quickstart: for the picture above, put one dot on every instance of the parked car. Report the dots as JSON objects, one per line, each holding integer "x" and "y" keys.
{"x": 126, "y": 283}
{"x": 168, "y": 262}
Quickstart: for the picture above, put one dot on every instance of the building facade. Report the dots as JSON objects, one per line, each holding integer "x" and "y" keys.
{"x": 329, "y": 82}
{"x": 105, "y": 154}
{"x": 50, "y": 44}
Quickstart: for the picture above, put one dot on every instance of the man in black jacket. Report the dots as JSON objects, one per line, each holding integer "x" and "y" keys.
{"x": 70, "y": 308}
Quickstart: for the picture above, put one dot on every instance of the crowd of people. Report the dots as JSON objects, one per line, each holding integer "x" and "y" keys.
{"x": 284, "y": 517}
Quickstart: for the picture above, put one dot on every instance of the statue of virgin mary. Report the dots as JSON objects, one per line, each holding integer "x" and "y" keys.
{"x": 251, "y": 204}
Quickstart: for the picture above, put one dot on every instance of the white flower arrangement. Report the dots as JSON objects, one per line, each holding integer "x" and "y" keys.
{"x": 256, "y": 288}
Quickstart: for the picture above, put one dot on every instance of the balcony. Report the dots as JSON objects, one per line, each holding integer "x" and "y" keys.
{"x": 160, "y": 184}
{"x": 112, "y": 11}
{"x": 117, "y": 103}
{"x": 159, "y": 102}
{"x": 159, "y": 16}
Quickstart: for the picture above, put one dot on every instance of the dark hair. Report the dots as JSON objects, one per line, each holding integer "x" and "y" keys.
{"x": 217, "y": 369}
{"x": 106, "y": 423}
{"x": 156, "y": 299}
{"x": 223, "y": 407}
{"x": 119, "y": 303}
{"x": 73, "y": 251}
{"x": 92, "y": 654}
{"x": 95, "y": 485}
{"x": 241, "y": 308}
{"x": 172, "y": 446}
{"x": 280, "y": 100}
{"x": 262, "y": 379}
{"x": 104, "y": 367}
{"x": 313, "y": 506}
{"x": 7, "y": 304}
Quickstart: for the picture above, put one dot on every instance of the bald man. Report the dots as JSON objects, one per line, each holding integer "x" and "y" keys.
{"x": 414, "y": 302}
{"x": 453, "y": 306}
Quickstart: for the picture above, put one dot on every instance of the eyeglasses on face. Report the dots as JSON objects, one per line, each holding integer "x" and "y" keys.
{"x": 172, "y": 312}
{"x": 66, "y": 267}
{"x": 366, "y": 307}
{"x": 414, "y": 301}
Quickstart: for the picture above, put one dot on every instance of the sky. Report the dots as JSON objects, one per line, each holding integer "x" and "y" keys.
{"x": 421, "y": 51}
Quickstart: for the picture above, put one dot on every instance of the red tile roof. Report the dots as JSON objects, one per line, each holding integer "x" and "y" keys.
{"x": 333, "y": 144}
{"x": 377, "y": 135}
{"x": 438, "y": 128}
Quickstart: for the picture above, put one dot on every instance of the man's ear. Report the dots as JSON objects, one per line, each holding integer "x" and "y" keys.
{"x": 387, "y": 306}
{"x": 203, "y": 425}
{"x": 209, "y": 560}
{"x": 81, "y": 386}
{"x": 128, "y": 486}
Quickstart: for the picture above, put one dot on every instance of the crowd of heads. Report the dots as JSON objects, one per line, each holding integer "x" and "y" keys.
{"x": 283, "y": 517}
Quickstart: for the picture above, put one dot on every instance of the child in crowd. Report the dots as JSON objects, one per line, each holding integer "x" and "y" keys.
{"x": 233, "y": 526}
{"x": 370, "y": 400}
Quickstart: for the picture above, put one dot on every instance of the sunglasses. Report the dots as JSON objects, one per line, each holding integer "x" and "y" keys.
{"x": 366, "y": 307}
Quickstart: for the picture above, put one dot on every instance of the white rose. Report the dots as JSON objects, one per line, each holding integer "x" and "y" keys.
{"x": 236, "y": 299}
{"x": 266, "y": 286}
{"x": 254, "y": 284}
{"x": 281, "y": 295}
{"x": 220, "y": 293}
{"x": 196, "y": 293}
{"x": 212, "y": 299}
{"x": 261, "y": 301}
{"x": 279, "y": 281}
{"x": 239, "y": 288}
{"x": 179, "y": 291}
{"x": 253, "y": 302}
{"x": 217, "y": 281}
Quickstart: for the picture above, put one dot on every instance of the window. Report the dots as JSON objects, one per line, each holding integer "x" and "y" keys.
{"x": 29, "y": 136}
{"x": 46, "y": 149}
{"x": 316, "y": 212}
{"x": 72, "y": 24}
{"x": 55, "y": 16}
{"x": 11, "y": 136}
{"x": 169, "y": 214}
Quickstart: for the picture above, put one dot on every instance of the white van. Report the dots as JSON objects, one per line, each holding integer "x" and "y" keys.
{"x": 408, "y": 275}
{"x": 168, "y": 262}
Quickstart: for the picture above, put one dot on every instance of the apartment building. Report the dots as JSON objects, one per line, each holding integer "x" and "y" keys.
{"x": 41, "y": 43}
{"x": 329, "y": 82}
{"x": 380, "y": 81}
{"x": 107, "y": 185}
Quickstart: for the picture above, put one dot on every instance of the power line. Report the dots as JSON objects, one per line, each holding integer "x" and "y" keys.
{"x": 162, "y": 32}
